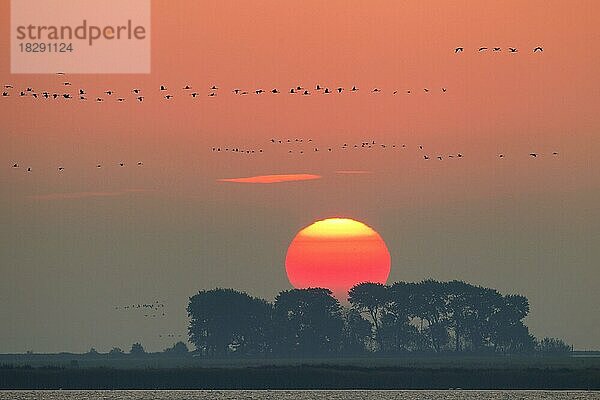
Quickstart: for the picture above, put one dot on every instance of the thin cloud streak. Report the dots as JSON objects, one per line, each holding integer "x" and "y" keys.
{"x": 353, "y": 172}
{"x": 267, "y": 179}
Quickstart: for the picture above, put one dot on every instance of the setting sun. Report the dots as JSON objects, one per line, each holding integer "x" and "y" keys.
{"x": 337, "y": 253}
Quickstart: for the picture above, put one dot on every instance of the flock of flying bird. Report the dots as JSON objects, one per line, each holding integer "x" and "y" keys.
{"x": 151, "y": 310}
{"x": 298, "y": 148}
{"x": 513, "y": 50}
{"x": 81, "y": 94}
{"x": 61, "y": 168}
{"x": 213, "y": 91}
{"x": 167, "y": 94}
{"x": 363, "y": 145}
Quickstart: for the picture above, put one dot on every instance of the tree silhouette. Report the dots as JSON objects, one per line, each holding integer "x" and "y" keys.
{"x": 357, "y": 333}
{"x": 223, "y": 321}
{"x": 137, "y": 349}
{"x": 427, "y": 316}
{"x": 371, "y": 299}
{"x": 178, "y": 349}
{"x": 307, "y": 322}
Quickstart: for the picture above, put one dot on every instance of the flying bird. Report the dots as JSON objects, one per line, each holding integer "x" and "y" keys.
{"x": 533, "y": 155}
{"x": 539, "y": 48}
{"x": 496, "y": 49}
{"x": 458, "y": 49}
{"x": 163, "y": 88}
{"x": 513, "y": 49}
{"x": 482, "y": 49}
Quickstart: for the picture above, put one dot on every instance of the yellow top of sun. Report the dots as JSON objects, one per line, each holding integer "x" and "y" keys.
{"x": 337, "y": 228}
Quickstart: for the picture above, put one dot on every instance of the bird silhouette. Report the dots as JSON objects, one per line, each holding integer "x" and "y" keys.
{"x": 340, "y": 90}
{"x": 458, "y": 49}
{"x": 15, "y": 166}
{"x": 513, "y": 49}
{"x": 169, "y": 96}
{"x": 163, "y": 88}
{"x": 533, "y": 155}
{"x": 482, "y": 49}
{"x": 136, "y": 91}
{"x": 187, "y": 87}
{"x": 109, "y": 92}
{"x": 140, "y": 98}
{"x": 275, "y": 91}
{"x": 214, "y": 88}
{"x": 354, "y": 89}
{"x": 496, "y": 49}
{"x": 539, "y": 48}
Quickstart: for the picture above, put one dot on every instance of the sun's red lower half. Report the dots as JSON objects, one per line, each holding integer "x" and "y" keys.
{"x": 336, "y": 254}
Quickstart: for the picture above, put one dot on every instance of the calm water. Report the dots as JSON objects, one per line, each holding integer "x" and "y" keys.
{"x": 294, "y": 395}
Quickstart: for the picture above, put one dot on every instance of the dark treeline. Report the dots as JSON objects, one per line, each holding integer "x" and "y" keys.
{"x": 424, "y": 317}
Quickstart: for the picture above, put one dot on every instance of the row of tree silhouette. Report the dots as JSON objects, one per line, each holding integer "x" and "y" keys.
{"x": 428, "y": 316}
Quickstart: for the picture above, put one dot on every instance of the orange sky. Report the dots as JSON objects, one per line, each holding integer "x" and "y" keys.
{"x": 520, "y": 225}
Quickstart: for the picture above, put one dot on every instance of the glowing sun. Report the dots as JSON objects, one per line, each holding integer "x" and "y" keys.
{"x": 337, "y": 253}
